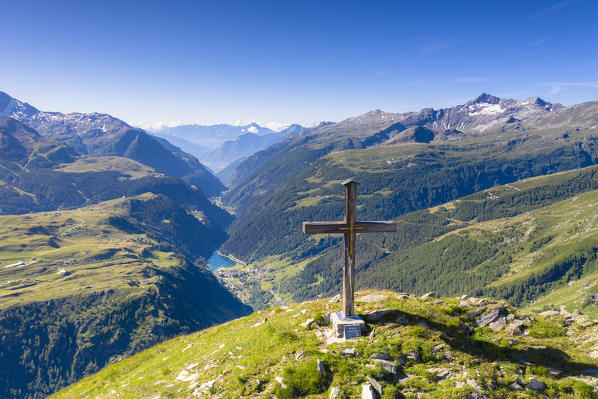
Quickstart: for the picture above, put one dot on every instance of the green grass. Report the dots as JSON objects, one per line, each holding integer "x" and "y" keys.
{"x": 244, "y": 357}
{"x": 72, "y": 252}
{"x": 126, "y": 166}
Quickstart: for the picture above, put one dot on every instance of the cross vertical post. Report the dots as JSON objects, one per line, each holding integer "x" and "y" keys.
{"x": 349, "y": 258}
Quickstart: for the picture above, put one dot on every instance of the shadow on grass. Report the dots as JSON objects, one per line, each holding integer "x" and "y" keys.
{"x": 459, "y": 340}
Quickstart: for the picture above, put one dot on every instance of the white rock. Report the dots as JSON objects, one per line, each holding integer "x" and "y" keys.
{"x": 307, "y": 323}
{"x": 334, "y": 392}
{"x": 367, "y": 392}
{"x": 375, "y": 384}
{"x": 279, "y": 380}
{"x": 187, "y": 376}
{"x": 372, "y": 298}
{"x": 320, "y": 365}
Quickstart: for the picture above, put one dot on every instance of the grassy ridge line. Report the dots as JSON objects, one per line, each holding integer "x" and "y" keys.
{"x": 244, "y": 357}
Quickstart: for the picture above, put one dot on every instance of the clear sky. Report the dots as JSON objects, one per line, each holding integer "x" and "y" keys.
{"x": 292, "y": 61}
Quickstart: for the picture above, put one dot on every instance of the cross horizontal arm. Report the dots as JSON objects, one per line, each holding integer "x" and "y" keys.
{"x": 342, "y": 227}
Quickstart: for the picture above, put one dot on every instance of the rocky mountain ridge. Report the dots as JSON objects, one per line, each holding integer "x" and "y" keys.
{"x": 101, "y": 134}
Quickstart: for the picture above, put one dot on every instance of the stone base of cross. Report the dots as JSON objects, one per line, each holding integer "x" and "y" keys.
{"x": 349, "y": 227}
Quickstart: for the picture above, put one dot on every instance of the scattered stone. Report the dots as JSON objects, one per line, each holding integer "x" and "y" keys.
{"x": 367, "y": 392}
{"x": 472, "y": 382}
{"x": 280, "y": 381}
{"x": 334, "y": 299}
{"x": 488, "y": 317}
{"x": 498, "y": 324}
{"x": 518, "y": 326}
{"x": 402, "y": 296}
{"x": 349, "y": 352}
{"x": 512, "y": 342}
{"x": 259, "y": 323}
{"x": 320, "y": 365}
{"x": 386, "y": 365}
{"x": 299, "y": 355}
{"x": 372, "y": 298}
{"x": 187, "y": 347}
{"x": 475, "y": 313}
{"x": 372, "y": 335}
{"x": 550, "y": 313}
{"x": 375, "y": 384}
{"x": 536, "y": 385}
{"x": 441, "y": 373}
{"x": 192, "y": 366}
{"x": 334, "y": 392}
{"x": 414, "y": 356}
{"x": 382, "y": 315}
{"x": 430, "y": 294}
{"x": 308, "y": 323}
{"x": 516, "y": 386}
{"x": 186, "y": 376}
{"x": 382, "y": 355}
{"x": 554, "y": 372}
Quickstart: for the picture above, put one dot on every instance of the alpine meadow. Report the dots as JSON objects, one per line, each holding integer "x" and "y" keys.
{"x": 186, "y": 188}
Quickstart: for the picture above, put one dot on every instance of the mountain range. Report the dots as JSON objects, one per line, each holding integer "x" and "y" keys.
{"x": 103, "y": 135}
{"x": 105, "y": 230}
{"x": 220, "y": 146}
{"x": 405, "y": 162}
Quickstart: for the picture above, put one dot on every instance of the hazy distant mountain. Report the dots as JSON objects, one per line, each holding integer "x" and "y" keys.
{"x": 248, "y": 140}
{"x": 211, "y": 136}
{"x": 101, "y": 134}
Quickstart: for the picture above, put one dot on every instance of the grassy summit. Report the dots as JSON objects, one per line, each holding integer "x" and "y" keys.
{"x": 415, "y": 347}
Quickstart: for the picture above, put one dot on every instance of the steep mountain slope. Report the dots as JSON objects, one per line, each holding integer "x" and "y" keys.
{"x": 39, "y": 174}
{"x": 521, "y": 242}
{"x": 413, "y": 347}
{"x": 403, "y": 163}
{"x": 82, "y": 288}
{"x": 101, "y": 135}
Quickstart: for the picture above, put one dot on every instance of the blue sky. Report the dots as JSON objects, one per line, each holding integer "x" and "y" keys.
{"x": 298, "y": 61}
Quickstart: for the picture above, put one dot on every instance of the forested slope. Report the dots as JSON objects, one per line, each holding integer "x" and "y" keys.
{"x": 85, "y": 287}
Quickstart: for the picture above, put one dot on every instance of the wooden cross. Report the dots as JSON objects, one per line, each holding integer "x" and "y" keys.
{"x": 349, "y": 227}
